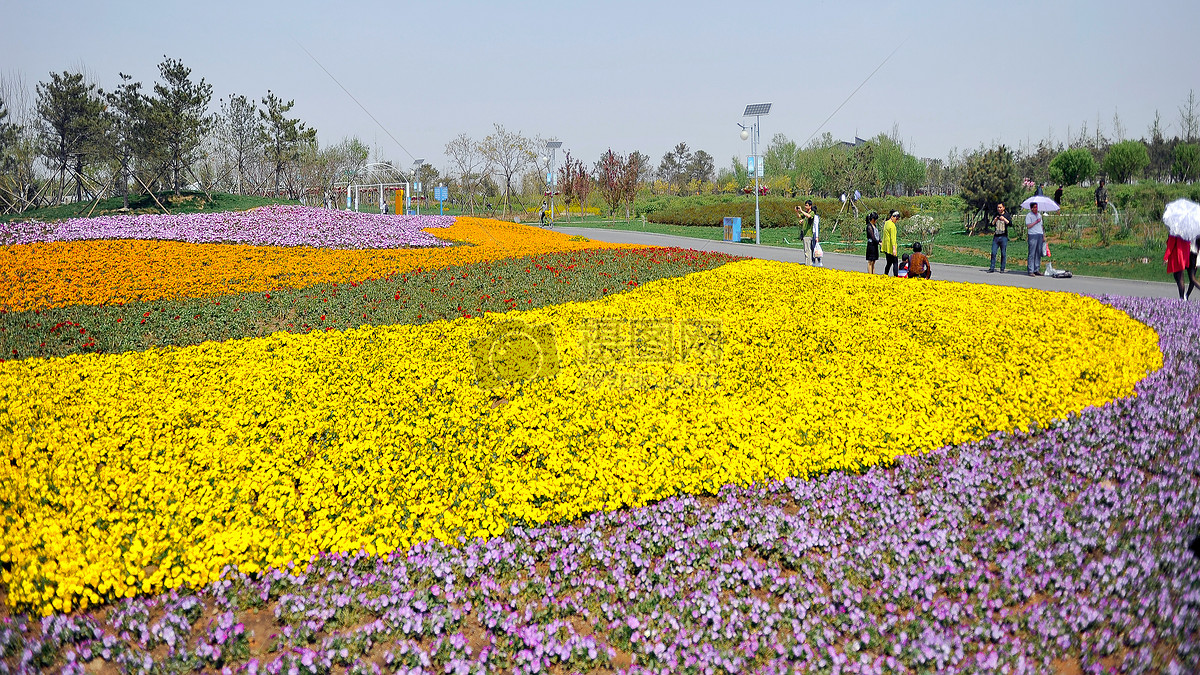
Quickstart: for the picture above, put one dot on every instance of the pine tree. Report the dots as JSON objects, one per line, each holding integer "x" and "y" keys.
{"x": 126, "y": 114}
{"x": 991, "y": 178}
{"x": 71, "y": 124}
{"x": 178, "y": 118}
{"x": 281, "y": 136}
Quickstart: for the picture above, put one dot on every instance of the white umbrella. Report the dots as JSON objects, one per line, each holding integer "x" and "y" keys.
{"x": 1044, "y": 203}
{"x": 1182, "y": 218}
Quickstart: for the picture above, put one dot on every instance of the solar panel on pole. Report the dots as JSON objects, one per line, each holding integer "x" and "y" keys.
{"x": 756, "y": 110}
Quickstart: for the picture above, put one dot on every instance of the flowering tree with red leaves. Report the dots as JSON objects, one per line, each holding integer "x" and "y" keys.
{"x": 566, "y": 181}
{"x": 610, "y": 171}
{"x": 582, "y": 185}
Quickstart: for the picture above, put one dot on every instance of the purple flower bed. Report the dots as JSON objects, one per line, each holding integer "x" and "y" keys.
{"x": 264, "y": 226}
{"x": 1061, "y": 550}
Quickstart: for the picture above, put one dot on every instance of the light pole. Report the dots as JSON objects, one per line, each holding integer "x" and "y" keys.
{"x": 416, "y": 185}
{"x": 551, "y": 146}
{"x": 755, "y": 110}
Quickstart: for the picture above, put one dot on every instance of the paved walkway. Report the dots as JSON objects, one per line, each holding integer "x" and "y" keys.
{"x": 855, "y": 263}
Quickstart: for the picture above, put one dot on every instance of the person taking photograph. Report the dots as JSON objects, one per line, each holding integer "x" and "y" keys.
{"x": 1000, "y": 225}
{"x": 809, "y": 220}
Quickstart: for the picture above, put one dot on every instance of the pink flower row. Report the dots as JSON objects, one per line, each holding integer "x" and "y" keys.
{"x": 264, "y": 226}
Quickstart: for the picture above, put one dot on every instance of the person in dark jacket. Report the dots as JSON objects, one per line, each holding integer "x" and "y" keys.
{"x": 1000, "y": 225}
{"x": 1101, "y": 197}
{"x": 872, "y": 241}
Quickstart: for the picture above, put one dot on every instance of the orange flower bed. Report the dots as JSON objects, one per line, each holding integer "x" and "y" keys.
{"x": 57, "y": 274}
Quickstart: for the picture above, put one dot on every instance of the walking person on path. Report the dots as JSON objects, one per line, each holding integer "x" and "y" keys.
{"x": 891, "y": 248}
{"x": 1181, "y": 256}
{"x": 1000, "y": 225}
{"x": 1037, "y": 239}
{"x": 872, "y": 241}
{"x": 1058, "y": 196}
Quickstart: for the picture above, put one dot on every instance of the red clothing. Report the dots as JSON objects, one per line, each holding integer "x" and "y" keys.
{"x": 1179, "y": 250}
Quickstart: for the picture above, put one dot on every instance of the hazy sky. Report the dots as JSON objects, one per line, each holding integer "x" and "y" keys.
{"x": 647, "y": 75}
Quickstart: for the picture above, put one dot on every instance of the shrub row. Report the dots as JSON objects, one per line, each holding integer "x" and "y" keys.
{"x": 1146, "y": 194}
{"x": 776, "y": 211}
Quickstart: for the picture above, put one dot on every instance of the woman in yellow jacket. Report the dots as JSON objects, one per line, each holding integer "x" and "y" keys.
{"x": 889, "y": 246}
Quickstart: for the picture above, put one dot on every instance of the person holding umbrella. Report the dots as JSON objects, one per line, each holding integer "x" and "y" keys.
{"x": 1182, "y": 218}
{"x": 1037, "y": 232}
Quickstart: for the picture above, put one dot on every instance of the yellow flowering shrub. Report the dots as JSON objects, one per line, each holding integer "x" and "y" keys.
{"x": 133, "y": 472}
{"x": 97, "y": 272}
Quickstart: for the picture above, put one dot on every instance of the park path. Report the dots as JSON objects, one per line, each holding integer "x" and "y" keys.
{"x": 855, "y": 263}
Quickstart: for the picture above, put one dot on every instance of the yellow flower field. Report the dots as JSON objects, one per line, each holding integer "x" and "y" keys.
{"x": 139, "y": 471}
{"x": 96, "y": 272}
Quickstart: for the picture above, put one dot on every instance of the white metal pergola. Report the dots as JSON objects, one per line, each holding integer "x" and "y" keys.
{"x": 378, "y": 176}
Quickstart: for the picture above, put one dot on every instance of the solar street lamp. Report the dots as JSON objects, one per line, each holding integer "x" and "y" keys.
{"x": 416, "y": 185}
{"x": 755, "y": 110}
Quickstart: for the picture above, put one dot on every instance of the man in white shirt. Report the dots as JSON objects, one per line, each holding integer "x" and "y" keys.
{"x": 1037, "y": 239}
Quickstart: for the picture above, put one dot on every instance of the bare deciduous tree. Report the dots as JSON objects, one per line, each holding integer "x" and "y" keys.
{"x": 566, "y": 181}
{"x": 239, "y": 130}
{"x": 1118, "y": 127}
{"x": 608, "y": 176}
{"x": 631, "y": 178}
{"x": 582, "y": 185}
{"x": 1189, "y": 118}
{"x": 19, "y": 182}
{"x": 470, "y": 164}
{"x": 508, "y": 153}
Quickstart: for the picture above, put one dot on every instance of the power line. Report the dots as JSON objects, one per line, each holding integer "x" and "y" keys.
{"x": 860, "y": 86}
{"x": 364, "y": 108}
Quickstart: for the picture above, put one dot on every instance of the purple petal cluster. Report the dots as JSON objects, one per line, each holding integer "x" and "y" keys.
{"x": 1068, "y": 549}
{"x": 264, "y": 226}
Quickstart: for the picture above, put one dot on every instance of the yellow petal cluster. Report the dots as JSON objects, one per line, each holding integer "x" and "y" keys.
{"x": 135, "y": 472}
{"x": 98, "y": 272}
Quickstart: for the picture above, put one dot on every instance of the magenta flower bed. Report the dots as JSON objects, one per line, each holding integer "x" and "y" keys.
{"x": 1069, "y": 549}
{"x": 264, "y": 226}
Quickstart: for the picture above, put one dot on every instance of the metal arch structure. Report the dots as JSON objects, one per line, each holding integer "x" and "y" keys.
{"x": 378, "y": 175}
